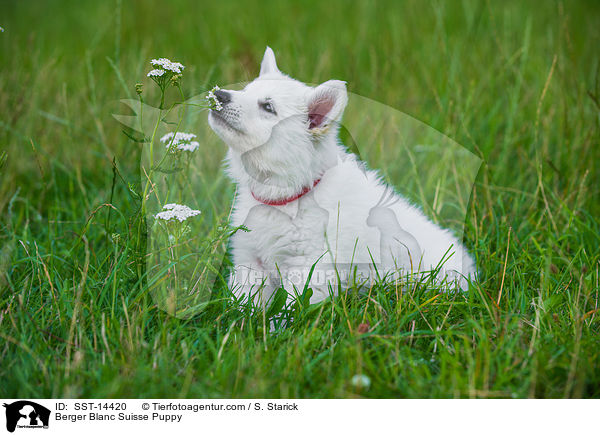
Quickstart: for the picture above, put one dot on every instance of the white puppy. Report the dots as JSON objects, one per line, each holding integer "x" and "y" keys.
{"x": 306, "y": 201}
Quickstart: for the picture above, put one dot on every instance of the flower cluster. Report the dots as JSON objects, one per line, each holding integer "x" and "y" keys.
{"x": 180, "y": 142}
{"x": 156, "y": 73}
{"x": 165, "y": 72}
{"x": 213, "y": 101}
{"x": 176, "y": 211}
{"x": 164, "y": 64}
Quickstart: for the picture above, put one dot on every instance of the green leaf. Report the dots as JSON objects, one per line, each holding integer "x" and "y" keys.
{"x": 133, "y": 138}
{"x": 277, "y": 302}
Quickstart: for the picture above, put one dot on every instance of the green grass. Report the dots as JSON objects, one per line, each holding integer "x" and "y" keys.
{"x": 516, "y": 82}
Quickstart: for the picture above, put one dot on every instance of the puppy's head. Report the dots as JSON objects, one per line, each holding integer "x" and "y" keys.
{"x": 278, "y": 112}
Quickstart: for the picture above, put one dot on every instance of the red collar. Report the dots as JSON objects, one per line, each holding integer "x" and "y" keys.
{"x": 285, "y": 201}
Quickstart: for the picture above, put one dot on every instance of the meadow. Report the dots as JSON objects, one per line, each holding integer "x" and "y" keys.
{"x": 515, "y": 83}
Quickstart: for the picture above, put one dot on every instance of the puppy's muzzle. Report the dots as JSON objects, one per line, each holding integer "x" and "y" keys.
{"x": 224, "y": 97}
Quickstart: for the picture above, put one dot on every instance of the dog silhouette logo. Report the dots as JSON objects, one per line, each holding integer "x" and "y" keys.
{"x": 26, "y": 414}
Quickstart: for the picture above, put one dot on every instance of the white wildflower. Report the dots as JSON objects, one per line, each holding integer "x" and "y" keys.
{"x": 156, "y": 73}
{"x": 176, "y": 67}
{"x": 190, "y": 147}
{"x": 361, "y": 381}
{"x": 176, "y": 211}
{"x": 2, "y": 29}
{"x": 213, "y": 101}
{"x": 168, "y": 65}
{"x": 179, "y": 136}
{"x": 180, "y": 142}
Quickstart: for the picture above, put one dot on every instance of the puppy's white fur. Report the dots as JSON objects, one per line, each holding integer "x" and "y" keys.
{"x": 282, "y": 137}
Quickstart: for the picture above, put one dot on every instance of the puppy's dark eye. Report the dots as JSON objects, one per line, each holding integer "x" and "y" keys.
{"x": 267, "y": 106}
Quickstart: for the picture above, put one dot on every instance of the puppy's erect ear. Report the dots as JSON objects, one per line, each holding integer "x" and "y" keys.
{"x": 268, "y": 64}
{"x": 326, "y": 104}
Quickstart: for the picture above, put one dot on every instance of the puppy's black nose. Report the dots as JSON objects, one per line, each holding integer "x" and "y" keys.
{"x": 224, "y": 97}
